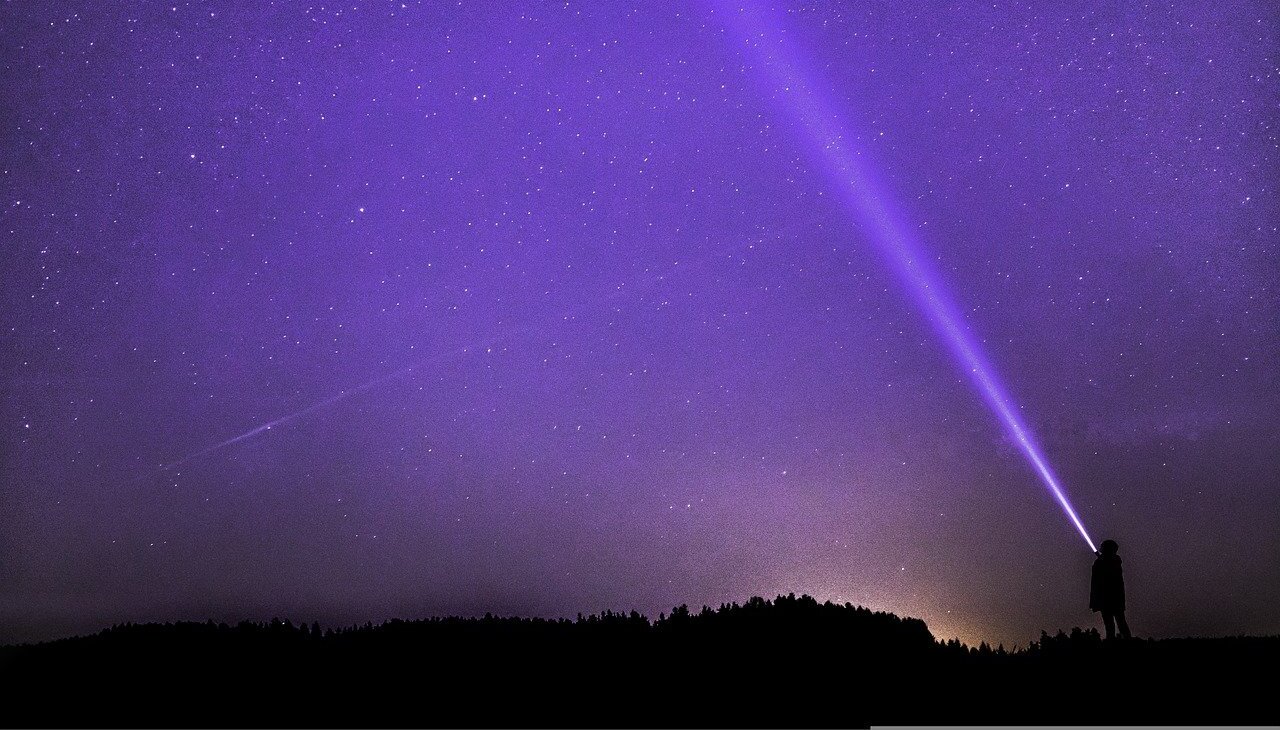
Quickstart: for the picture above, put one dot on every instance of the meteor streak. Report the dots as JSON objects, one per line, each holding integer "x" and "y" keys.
{"x": 318, "y": 405}
{"x": 342, "y": 395}
{"x": 846, "y": 166}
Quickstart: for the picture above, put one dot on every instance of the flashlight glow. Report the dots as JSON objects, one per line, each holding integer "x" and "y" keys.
{"x": 846, "y": 166}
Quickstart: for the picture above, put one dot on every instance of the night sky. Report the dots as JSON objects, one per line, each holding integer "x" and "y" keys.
{"x": 556, "y": 308}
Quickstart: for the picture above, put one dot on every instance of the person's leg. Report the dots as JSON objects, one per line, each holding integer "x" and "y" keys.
{"x": 1124, "y": 625}
{"x": 1109, "y": 622}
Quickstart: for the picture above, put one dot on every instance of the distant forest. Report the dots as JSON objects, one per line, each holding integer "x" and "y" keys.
{"x": 792, "y": 661}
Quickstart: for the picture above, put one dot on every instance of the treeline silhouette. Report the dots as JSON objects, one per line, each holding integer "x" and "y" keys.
{"x": 786, "y": 662}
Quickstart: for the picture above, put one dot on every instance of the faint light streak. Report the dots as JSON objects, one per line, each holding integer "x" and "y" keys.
{"x": 318, "y": 405}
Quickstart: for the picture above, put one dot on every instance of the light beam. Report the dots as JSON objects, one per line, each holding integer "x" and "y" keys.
{"x": 845, "y": 164}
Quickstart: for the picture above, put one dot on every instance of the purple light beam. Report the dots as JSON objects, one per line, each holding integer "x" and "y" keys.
{"x": 833, "y": 148}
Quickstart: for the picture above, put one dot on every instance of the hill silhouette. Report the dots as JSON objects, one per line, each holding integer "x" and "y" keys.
{"x": 792, "y": 661}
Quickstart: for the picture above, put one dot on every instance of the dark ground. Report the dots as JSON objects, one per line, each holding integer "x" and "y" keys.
{"x": 788, "y": 662}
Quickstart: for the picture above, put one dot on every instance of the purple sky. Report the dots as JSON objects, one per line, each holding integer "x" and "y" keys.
{"x": 615, "y": 341}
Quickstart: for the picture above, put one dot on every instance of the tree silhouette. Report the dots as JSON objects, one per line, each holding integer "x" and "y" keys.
{"x": 789, "y": 661}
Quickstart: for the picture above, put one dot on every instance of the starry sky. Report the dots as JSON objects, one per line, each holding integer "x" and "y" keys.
{"x": 358, "y": 310}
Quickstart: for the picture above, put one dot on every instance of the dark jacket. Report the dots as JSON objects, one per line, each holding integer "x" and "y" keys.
{"x": 1106, "y": 590}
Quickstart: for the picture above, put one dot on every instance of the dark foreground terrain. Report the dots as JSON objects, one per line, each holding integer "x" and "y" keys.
{"x": 788, "y": 662}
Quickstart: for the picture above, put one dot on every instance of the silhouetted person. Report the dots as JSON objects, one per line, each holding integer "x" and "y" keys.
{"x": 1106, "y": 590}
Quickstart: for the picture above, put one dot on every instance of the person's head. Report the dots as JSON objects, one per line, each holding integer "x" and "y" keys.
{"x": 1109, "y": 548}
